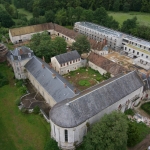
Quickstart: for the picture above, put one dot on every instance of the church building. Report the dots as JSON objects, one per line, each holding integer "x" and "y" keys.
{"x": 70, "y": 118}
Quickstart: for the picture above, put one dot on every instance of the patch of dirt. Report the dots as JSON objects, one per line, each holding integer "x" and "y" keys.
{"x": 142, "y": 145}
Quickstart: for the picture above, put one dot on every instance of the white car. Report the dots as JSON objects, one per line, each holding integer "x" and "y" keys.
{"x": 138, "y": 118}
{"x": 148, "y": 148}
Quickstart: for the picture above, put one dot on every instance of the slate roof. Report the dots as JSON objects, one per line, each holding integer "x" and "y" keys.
{"x": 73, "y": 112}
{"x": 66, "y": 57}
{"x": 44, "y": 75}
{"x": 68, "y": 32}
{"x": 106, "y": 64}
{"x": 20, "y": 51}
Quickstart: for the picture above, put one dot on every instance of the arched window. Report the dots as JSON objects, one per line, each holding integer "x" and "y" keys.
{"x": 66, "y": 135}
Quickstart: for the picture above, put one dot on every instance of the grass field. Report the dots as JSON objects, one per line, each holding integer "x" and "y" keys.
{"x": 19, "y": 131}
{"x": 27, "y": 13}
{"x": 142, "y": 18}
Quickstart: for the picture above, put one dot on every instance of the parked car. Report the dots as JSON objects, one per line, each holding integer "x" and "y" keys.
{"x": 148, "y": 148}
{"x": 138, "y": 118}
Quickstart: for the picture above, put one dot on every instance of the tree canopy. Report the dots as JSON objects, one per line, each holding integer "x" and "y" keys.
{"x": 110, "y": 133}
{"x": 42, "y": 45}
{"x": 82, "y": 44}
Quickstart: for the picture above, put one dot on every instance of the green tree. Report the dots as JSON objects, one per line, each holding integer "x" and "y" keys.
{"x": 42, "y": 45}
{"x": 81, "y": 44}
{"x": 116, "y": 5}
{"x": 60, "y": 16}
{"x": 36, "y": 12}
{"x": 128, "y": 25}
{"x": 5, "y": 19}
{"x": 50, "y": 16}
{"x": 110, "y": 133}
{"x": 126, "y": 7}
{"x": 59, "y": 45}
{"x": 133, "y": 134}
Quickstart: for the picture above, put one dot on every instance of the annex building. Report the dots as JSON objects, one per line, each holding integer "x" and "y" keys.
{"x": 64, "y": 63}
{"x": 22, "y": 34}
{"x": 136, "y": 48}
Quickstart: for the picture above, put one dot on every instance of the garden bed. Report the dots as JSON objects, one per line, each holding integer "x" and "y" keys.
{"x": 84, "y": 78}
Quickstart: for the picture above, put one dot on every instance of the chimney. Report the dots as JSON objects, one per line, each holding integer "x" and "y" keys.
{"x": 50, "y": 65}
{"x": 43, "y": 58}
{"x": 65, "y": 85}
{"x": 43, "y": 66}
{"x": 147, "y": 75}
{"x": 54, "y": 75}
{"x": 75, "y": 91}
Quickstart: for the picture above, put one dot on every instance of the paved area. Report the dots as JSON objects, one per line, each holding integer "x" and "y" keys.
{"x": 33, "y": 99}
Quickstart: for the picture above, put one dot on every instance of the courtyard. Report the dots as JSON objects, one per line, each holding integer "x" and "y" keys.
{"x": 85, "y": 77}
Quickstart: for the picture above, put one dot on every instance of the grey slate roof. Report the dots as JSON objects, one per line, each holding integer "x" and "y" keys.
{"x": 20, "y": 51}
{"x": 54, "y": 86}
{"x": 66, "y": 57}
{"x": 72, "y": 112}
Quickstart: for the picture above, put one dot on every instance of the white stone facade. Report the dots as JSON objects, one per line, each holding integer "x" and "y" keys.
{"x": 135, "y": 52}
{"x": 66, "y": 67}
{"x": 99, "y": 33}
{"x": 144, "y": 63}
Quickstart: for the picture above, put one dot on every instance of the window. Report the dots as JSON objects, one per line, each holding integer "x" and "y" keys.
{"x": 29, "y": 54}
{"x": 67, "y": 63}
{"x": 129, "y": 49}
{"x": 66, "y": 135}
{"x": 125, "y": 48}
{"x": 19, "y": 57}
{"x": 142, "y": 55}
{"x": 133, "y": 51}
{"x": 137, "y": 53}
{"x": 146, "y": 56}
{"x": 70, "y": 62}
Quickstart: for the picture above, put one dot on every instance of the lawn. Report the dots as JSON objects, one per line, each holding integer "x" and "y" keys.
{"x": 19, "y": 131}
{"x": 27, "y": 13}
{"x": 84, "y": 78}
{"x": 142, "y": 18}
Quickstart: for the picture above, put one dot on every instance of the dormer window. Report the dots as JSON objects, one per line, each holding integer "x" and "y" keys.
{"x": 19, "y": 57}
{"x": 29, "y": 54}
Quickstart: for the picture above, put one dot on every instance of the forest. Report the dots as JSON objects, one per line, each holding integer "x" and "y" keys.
{"x": 67, "y": 12}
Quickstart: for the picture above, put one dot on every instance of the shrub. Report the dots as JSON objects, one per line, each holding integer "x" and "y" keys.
{"x": 51, "y": 145}
{"x": 98, "y": 78}
{"x": 129, "y": 112}
{"x": 17, "y": 101}
{"x": 107, "y": 75}
{"x": 3, "y": 80}
{"x": 23, "y": 90}
{"x": 36, "y": 110}
{"x": 84, "y": 83}
{"x": 24, "y": 110}
{"x": 146, "y": 107}
{"x": 19, "y": 83}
